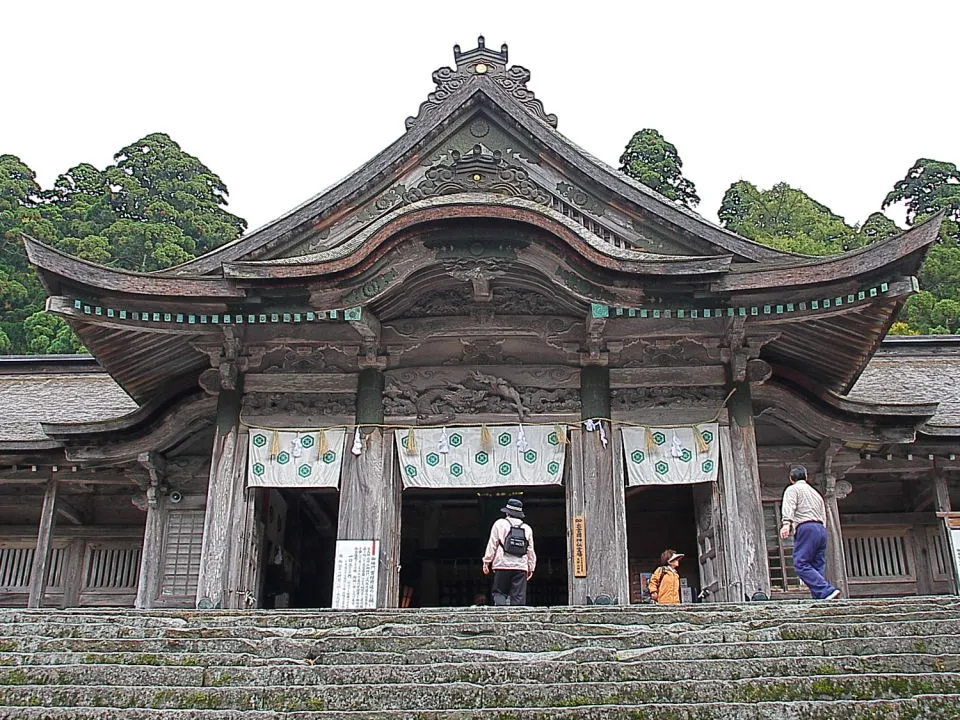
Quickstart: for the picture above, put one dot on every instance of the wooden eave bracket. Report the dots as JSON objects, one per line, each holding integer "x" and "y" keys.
{"x": 369, "y": 329}
{"x": 790, "y": 408}
{"x": 183, "y": 420}
{"x": 156, "y": 466}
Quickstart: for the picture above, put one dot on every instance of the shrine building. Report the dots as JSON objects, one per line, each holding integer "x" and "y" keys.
{"x": 331, "y": 410}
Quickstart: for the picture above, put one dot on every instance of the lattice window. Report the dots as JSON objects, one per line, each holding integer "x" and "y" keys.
{"x": 940, "y": 557}
{"x": 181, "y": 556}
{"x": 111, "y": 567}
{"x": 16, "y": 564}
{"x": 779, "y": 552}
{"x": 878, "y": 555}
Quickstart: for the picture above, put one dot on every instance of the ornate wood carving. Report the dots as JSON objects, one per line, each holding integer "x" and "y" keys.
{"x": 450, "y": 302}
{"x": 624, "y": 399}
{"x": 306, "y": 359}
{"x": 436, "y": 395}
{"x": 578, "y": 197}
{"x": 671, "y": 352}
{"x": 304, "y": 404}
{"x": 481, "y": 65}
{"x": 476, "y": 171}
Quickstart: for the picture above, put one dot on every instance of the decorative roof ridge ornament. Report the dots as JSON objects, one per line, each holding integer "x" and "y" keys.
{"x": 481, "y": 65}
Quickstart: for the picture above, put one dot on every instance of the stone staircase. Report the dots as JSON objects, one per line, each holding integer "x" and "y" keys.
{"x": 873, "y": 659}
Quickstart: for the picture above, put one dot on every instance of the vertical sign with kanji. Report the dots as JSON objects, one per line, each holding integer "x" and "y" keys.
{"x": 579, "y": 546}
{"x": 355, "y": 574}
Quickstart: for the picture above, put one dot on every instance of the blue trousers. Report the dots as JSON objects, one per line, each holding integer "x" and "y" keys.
{"x": 809, "y": 558}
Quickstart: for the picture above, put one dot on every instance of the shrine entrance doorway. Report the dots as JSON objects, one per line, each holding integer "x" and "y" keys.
{"x": 300, "y": 539}
{"x": 444, "y": 534}
{"x": 661, "y": 517}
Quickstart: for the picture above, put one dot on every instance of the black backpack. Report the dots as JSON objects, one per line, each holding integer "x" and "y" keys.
{"x": 516, "y": 541}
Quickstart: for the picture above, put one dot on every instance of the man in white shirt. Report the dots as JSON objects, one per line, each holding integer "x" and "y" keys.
{"x": 510, "y": 570}
{"x": 803, "y": 512}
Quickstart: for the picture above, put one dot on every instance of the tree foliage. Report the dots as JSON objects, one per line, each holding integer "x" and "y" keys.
{"x": 931, "y": 187}
{"x": 651, "y": 160}
{"x": 785, "y": 218}
{"x": 156, "y": 206}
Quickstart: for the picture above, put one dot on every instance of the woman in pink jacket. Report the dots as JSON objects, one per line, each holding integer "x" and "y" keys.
{"x": 510, "y": 555}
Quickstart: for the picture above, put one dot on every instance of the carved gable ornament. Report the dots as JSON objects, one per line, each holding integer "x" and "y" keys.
{"x": 481, "y": 66}
{"x": 477, "y": 172}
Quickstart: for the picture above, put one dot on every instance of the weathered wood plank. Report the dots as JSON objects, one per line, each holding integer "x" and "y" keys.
{"x": 148, "y": 588}
{"x": 594, "y": 493}
{"x": 370, "y": 507}
{"x": 41, "y": 558}
{"x": 227, "y": 481}
{"x": 677, "y": 376}
{"x": 745, "y": 541}
{"x": 301, "y": 383}
{"x": 836, "y": 564}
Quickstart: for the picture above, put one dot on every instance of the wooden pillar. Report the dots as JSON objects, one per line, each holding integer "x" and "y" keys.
{"x": 369, "y": 490}
{"x": 942, "y": 505}
{"x": 148, "y": 588}
{"x": 596, "y": 492}
{"x": 225, "y": 495}
{"x": 836, "y": 563}
{"x": 41, "y": 557}
{"x": 745, "y": 541}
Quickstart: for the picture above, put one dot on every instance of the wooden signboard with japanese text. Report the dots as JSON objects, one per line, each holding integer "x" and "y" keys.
{"x": 579, "y": 539}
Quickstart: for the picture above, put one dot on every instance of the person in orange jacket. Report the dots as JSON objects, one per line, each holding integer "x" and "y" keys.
{"x": 664, "y": 585}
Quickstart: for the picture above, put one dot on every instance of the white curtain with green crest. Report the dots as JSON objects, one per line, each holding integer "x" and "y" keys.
{"x": 671, "y": 455}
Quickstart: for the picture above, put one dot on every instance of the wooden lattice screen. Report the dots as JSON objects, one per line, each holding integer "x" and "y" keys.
{"x": 181, "y": 553}
{"x": 111, "y": 567}
{"x": 880, "y": 554}
{"x": 16, "y": 563}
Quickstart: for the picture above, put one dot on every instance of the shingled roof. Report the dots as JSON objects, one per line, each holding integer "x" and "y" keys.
{"x": 916, "y": 369}
{"x": 55, "y": 388}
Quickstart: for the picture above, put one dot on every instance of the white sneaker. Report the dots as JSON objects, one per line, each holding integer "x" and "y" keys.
{"x": 833, "y": 596}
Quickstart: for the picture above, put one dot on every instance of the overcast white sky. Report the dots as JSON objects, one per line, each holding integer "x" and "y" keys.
{"x": 283, "y": 99}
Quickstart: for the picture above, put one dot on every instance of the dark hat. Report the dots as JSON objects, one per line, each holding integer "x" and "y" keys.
{"x": 513, "y": 508}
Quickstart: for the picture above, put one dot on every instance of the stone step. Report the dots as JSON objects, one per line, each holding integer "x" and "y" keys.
{"x": 203, "y": 627}
{"x": 481, "y": 672}
{"x": 430, "y": 649}
{"x": 926, "y": 645}
{"x": 400, "y": 638}
{"x": 600, "y": 615}
{"x": 939, "y": 707}
{"x": 463, "y": 696}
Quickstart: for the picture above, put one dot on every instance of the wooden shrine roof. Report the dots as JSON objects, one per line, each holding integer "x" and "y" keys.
{"x": 43, "y": 389}
{"x": 917, "y": 369}
{"x": 482, "y": 153}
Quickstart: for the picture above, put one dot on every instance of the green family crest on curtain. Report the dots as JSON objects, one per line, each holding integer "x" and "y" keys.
{"x": 295, "y": 459}
{"x": 459, "y": 457}
{"x": 671, "y": 456}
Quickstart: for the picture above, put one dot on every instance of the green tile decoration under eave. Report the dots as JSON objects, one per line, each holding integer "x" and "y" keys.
{"x": 597, "y": 310}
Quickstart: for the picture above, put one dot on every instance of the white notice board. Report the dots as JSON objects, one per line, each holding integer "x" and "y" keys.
{"x": 955, "y": 538}
{"x": 355, "y": 574}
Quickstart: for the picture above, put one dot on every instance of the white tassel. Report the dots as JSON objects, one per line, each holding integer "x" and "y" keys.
{"x": 522, "y": 444}
{"x": 676, "y": 447}
{"x": 443, "y": 444}
{"x": 603, "y": 433}
{"x": 589, "y": 425}
{"x": 296, "y": 449}
{"x": 357, "y": 448}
